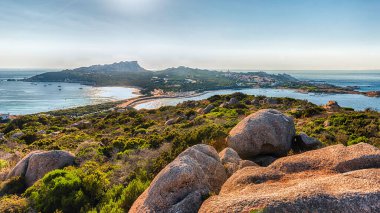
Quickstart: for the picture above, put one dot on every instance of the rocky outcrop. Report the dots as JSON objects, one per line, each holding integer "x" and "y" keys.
{"x": 232, "y": 162}
{"x": 36, "y": 164}
{"x": 264, "y": 132}
{"x": 233, "y": 101}
{"x": 170, "y": 122}
{"x": 332, "y": 179}
{"x": 373, "y": 94}
{"x": 17, "y": 135}
{"x": 270, "y": 101}
{"x": 255, "y": 102}
{"x": 303, "y": 142}
{"x": 208, "y": 109}
{"x": 182, "y": 185}
{"x": 332, "y": 106}
{"x": 81, "y": 124}
{"x": 264, "y": 160}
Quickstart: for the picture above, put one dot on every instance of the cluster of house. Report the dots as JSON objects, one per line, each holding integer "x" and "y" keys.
{"x": 249, "y": 78}
{"x": 5, "y": 116}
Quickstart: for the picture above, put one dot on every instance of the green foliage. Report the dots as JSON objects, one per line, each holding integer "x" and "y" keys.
{"x": 70, "y": 190}
{"x": 3, "y": 164}
{"x": 13, "y": 204}
{"x": 131, "y": 147}
{"x": 346, "y": 128}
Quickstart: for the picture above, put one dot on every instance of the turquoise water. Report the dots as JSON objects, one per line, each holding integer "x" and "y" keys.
{"x": 17, "y": 97}
{"x": 368, "y": 80}
{"x": 357, "y": 102}
{"x": 365, "y": 80}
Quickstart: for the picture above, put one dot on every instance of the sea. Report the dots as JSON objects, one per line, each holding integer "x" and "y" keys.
{"x": 18, "y": 97}
{"x": 368, "y": 80}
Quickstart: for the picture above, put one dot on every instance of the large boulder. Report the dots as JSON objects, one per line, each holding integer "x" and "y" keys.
{"x": 303, "y": 142}
{"x": 17, "y": 135}
{"x": 36, "y": 164}
{"x": 331, "y": 179}
{"x": 233, "y": 101}
{"x": 232, "y": 162}
{"x": 332, "y": 106}
{"x": 208, "y": 109}
{"x": 264, "y": 132}
{"x": 170, "y": 122}
{"x": 182, "y": 185}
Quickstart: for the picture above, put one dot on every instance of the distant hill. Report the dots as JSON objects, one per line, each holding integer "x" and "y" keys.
{"x": 172, "y": 79}
{"x": 124, "y": 66}
{"x": 116, "y": 74}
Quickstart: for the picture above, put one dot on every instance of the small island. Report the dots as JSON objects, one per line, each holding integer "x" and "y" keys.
{"x": 184, "y": 79}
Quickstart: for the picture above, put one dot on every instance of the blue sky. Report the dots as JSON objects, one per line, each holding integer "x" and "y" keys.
{"x": 217, "y": 34}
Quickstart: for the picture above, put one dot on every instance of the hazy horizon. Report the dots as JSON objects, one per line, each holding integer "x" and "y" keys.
{"x": 217, "y": 34}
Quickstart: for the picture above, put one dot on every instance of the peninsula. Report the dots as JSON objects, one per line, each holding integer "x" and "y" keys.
{"x": 184, "y": 79}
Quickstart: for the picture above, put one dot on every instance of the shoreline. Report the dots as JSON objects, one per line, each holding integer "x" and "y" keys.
{"x": 132, "y": 102}
{"x": 144, "y": 99}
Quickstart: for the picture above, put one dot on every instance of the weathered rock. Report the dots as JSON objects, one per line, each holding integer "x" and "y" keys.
{"x": 232, "y": 162}
{"x": 303, "y": 142}
{"x": 229, "y": 155}
{"x": 81, "y": 124}
{"x": 223, "y": 105}
{"x": 170, "y": 122}
{"x": 180, "y": 186}
{"x": 255, "y": 102}
{"x": 246, "y": 163}
{"x": 55, "y": 133}
{"x": 264, "y": 132}
{"x": 208, "y": 109}
{"x": 233, "y": 101}
{"x": 331, "y": 179}
{"x": 41, "y": 132}
{"x": 247, "y": 102}
{"x": 264, "y": 160}
{"x": 17, "y": 135}
{"x": 332, "y": 106}
{"x": 192, "y": 117}
{"x": 36, "y": 164}
{"x": 373, "y": 94}
{"x": 271, "y": 101}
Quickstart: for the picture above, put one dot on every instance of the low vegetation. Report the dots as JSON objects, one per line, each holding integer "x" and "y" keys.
{"x": 118, "y": 153}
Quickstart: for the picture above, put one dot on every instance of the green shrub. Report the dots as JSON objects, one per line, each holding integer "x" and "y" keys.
{"x": 361, "y": 139}
{"x": 132, "y": 191}
{"x": 13, "y": 204}
{"x": 3, "y": 164}
{"x": 69, "y": 190}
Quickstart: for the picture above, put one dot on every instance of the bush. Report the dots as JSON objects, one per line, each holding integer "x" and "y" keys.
{"x": 13, "y": 204}
{"x": 70, "y": 190}
{"x": 361, "y": 139}
{"x": 3, "y": 164}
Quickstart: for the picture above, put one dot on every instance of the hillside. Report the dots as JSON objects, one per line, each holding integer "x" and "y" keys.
{"x": 179, "y": 79}
{"x": 118, "y": 152}
{"x": 184, "y": 79}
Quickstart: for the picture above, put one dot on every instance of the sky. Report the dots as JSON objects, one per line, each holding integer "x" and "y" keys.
{"x": 213, "y": 34}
